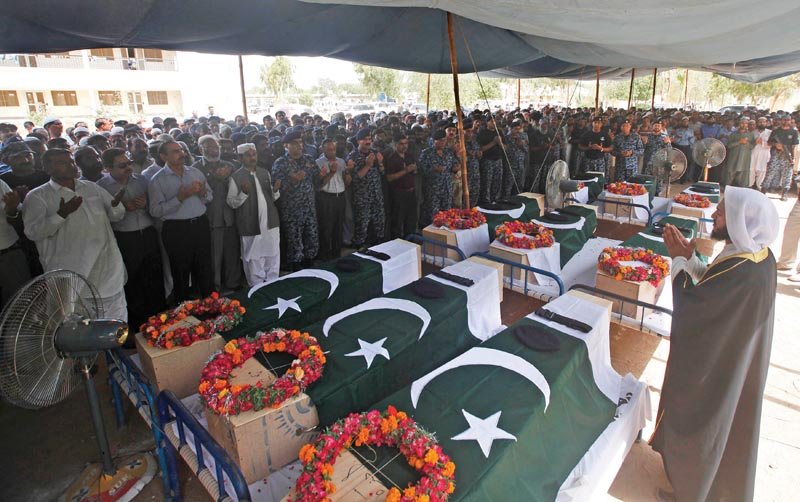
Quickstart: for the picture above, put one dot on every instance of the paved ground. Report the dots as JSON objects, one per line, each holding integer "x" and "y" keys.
{"x": 41, "y": 452}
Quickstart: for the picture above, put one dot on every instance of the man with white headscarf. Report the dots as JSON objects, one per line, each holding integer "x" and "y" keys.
{"x": 252, "y": 197}
{"x": 708, "y": 419}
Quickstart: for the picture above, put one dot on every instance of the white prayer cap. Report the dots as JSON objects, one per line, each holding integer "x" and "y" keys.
{"x": 49, "y": 120}
{"x": 117, "y": 130}
{"x": 244, "y": 147}
{"x": 751, "y": 219}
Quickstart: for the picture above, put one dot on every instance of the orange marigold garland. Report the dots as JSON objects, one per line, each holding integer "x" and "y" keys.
{"x": 623, "y": 188}
{"x": 389, "y": 428}
{"x": 459, "y": 219}
{"x": 228, "y": 314}
{"x": 535, "y": 235}
{"x": 692, "y": 200}
{"x": 609, "y": 262}
{"x": 226, "y": 399}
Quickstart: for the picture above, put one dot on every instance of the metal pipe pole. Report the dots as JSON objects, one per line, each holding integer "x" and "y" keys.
{"x": 630, "y": 91}
{"x": 686, "y": 88}
{"x": 241, "y": 85}
{"x": 597, "y": 91}
{"x": 653, "y": 99}
{"x": 97, "y": 422}
{"x": 519, "y": 91}
{"x": 463, "y": 148}
{"x": 428, "y": 95}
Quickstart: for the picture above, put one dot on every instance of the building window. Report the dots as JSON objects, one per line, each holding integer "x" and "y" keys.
{"x": 64, "y": 98}
{"x": 135, "y": 102}
{"x": 110, "y": 98}
{"x": 153, "y": 54}
{"x": 157, "y": 97}
{"x": 9, "y": 98}
{"x": 103, "y": 53}
{"x": 36, "y": 102}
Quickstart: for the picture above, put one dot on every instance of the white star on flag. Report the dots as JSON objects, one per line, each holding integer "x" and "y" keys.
{"x": 370, "y": 351}
{"x": 284, "y": 305}
{"x": 484, "y": 431}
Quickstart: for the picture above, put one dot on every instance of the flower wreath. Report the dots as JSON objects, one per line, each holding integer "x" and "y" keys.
{"x": 389, "y": 428}
{"x": 623, "y": 188}
{"x": 459, "y": 219}
{"x": 609, "y": 262}
{"x": 692, "y": 200}
{"x": 228, "y": 313}
{"x": 540, "y": 235}
{"x": 226, "y": 399}
{"x": 581, "y": 186}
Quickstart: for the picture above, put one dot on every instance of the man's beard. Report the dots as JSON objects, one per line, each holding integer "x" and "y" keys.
{"x": 761, "y": 127}
{"x": 211, "y": 159}
{"x": 720, "y": 234}
{"x": 140, "y": 157}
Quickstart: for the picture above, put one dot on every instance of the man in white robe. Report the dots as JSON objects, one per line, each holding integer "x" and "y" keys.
{"x": 251, "y": 195}
{"x": 760, "y": 155}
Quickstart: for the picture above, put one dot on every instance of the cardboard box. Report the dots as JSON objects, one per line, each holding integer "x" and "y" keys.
{"x": 540, "y": 200}
{"x": 517, "y": 256}
{"x": 444, "y": 236}
{"x": 353, "y": 481}
{"x": 618, "y": 210}
{"x": 177, "y": 369}
{"x": 493, "y": 264}
{"x": 709, "y": 247}
{"x": 642, "y": 291}
{"x": 261, "y": 442}
{"x": 691, "y": 212}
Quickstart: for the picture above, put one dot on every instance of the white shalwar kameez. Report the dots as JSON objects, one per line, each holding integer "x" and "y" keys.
{"x": 261, "y": 253}
{"x": 759, "y": 158}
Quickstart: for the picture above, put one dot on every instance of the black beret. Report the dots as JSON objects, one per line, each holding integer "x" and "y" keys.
{"x": 427, "y": 288}
{"x": 439, "y": 134}
{"x": 275, "y": 140}
{"x": 292, "y": 136}
{"x": 14, "y": 148}
{"x": 363, "y": 133}
{"x": 537, "y": 339}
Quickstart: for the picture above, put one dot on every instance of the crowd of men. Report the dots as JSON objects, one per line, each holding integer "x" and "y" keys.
{"x": 155, "y": 213}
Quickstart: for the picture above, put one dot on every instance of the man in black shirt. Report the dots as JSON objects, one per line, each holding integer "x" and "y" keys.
{"x": 594, "y": 144}
{"x": 491, "y": 162}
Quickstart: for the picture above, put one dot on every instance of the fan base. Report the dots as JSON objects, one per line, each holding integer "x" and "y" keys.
{"x": 133, "y": 474}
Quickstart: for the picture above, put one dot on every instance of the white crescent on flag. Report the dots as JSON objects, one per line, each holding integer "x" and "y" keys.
{"x": 326, "y": 276}
{"x": 412, "y": 308}
{"x": 481, "y": 356}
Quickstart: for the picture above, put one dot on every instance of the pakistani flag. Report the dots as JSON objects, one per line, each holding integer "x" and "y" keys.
{"x": 649, "y": 182}
{"x": 304, "y": 297}
{"x": 594, "y": 181}
{"x": 573, "y": 233}
{"x": 515, "y": 421}
{"x": 649, "y": 239}
{"x": 382, "y": 345}
{"x": 520, "y": 208}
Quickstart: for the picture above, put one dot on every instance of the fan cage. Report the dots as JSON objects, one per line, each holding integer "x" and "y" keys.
{"x": 32, "y": 373}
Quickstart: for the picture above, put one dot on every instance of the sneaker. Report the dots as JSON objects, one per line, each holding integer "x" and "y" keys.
{"x": 795, "y": 278}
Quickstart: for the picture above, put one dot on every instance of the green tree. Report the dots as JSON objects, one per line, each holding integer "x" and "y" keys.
{"x": 305, "y": 98}
{"x": 278, "y": 77}
{"x": 763, "y": 94}
{"x": 375, "y": 80}
{"x": 472, "y": 92}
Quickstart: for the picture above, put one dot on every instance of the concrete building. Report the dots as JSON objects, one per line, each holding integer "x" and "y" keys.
{"x": 81, "y": 85}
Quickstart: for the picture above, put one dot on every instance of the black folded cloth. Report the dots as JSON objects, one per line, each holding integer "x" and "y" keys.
{"x": 583, "y": 177}
{"x": 658, "y": 229}
{"x": 536, "y": 339}
{"x": 500, "y": 205}
{"x": 571, "y": 211}
{"x": 555, "y": 218}
{"x": 704, "y": 189}
{"x": 638, "y": 180}
{"x": 376, "y": 254}
{"x": 566, "y": 321}
{"x": 426, "y": 288}
{"x": 348, "y": 265}
{"x": 461, "y": 281}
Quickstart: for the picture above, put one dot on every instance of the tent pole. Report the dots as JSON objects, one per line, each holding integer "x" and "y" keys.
{"x": 597, "y": 91}
{"x": 630, "y": 91}
{"x": 686, "y": 88}
{"x": 653, "y": 99}
{"x": 462, "y": 146}
{"x": 519, "y": 91}
{"x": 241, "y": 85}
{"x": 428, "y": 95}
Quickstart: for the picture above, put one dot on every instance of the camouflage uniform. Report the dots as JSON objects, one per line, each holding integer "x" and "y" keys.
{"x": 298, "y": 213}
{"x": 518, "y": 157}
{"x": 473, "y": 172}
{"x": 627, "y": 166}
{"x": 438, "y": 187}
{"x": 654, "y": 144}
{"x": 367, "y": 200}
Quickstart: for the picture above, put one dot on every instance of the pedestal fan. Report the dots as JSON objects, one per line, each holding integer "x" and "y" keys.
{"x": 708, "y": 152}
{"x": 558, "y": 185}
{"x": 50, "y": 334}
{"x": 669, "y": 164}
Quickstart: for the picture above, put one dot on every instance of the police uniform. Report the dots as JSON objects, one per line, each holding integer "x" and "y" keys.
{"x": 367, "y": 200}
{"x": 473, "y": 171}
{"x": 627, "y": 166}
{"x": 438, "y": 187}
{"x": 517, "y": 156}
{"x": 298, "y": 212}
{"x": 654, "y": 144}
